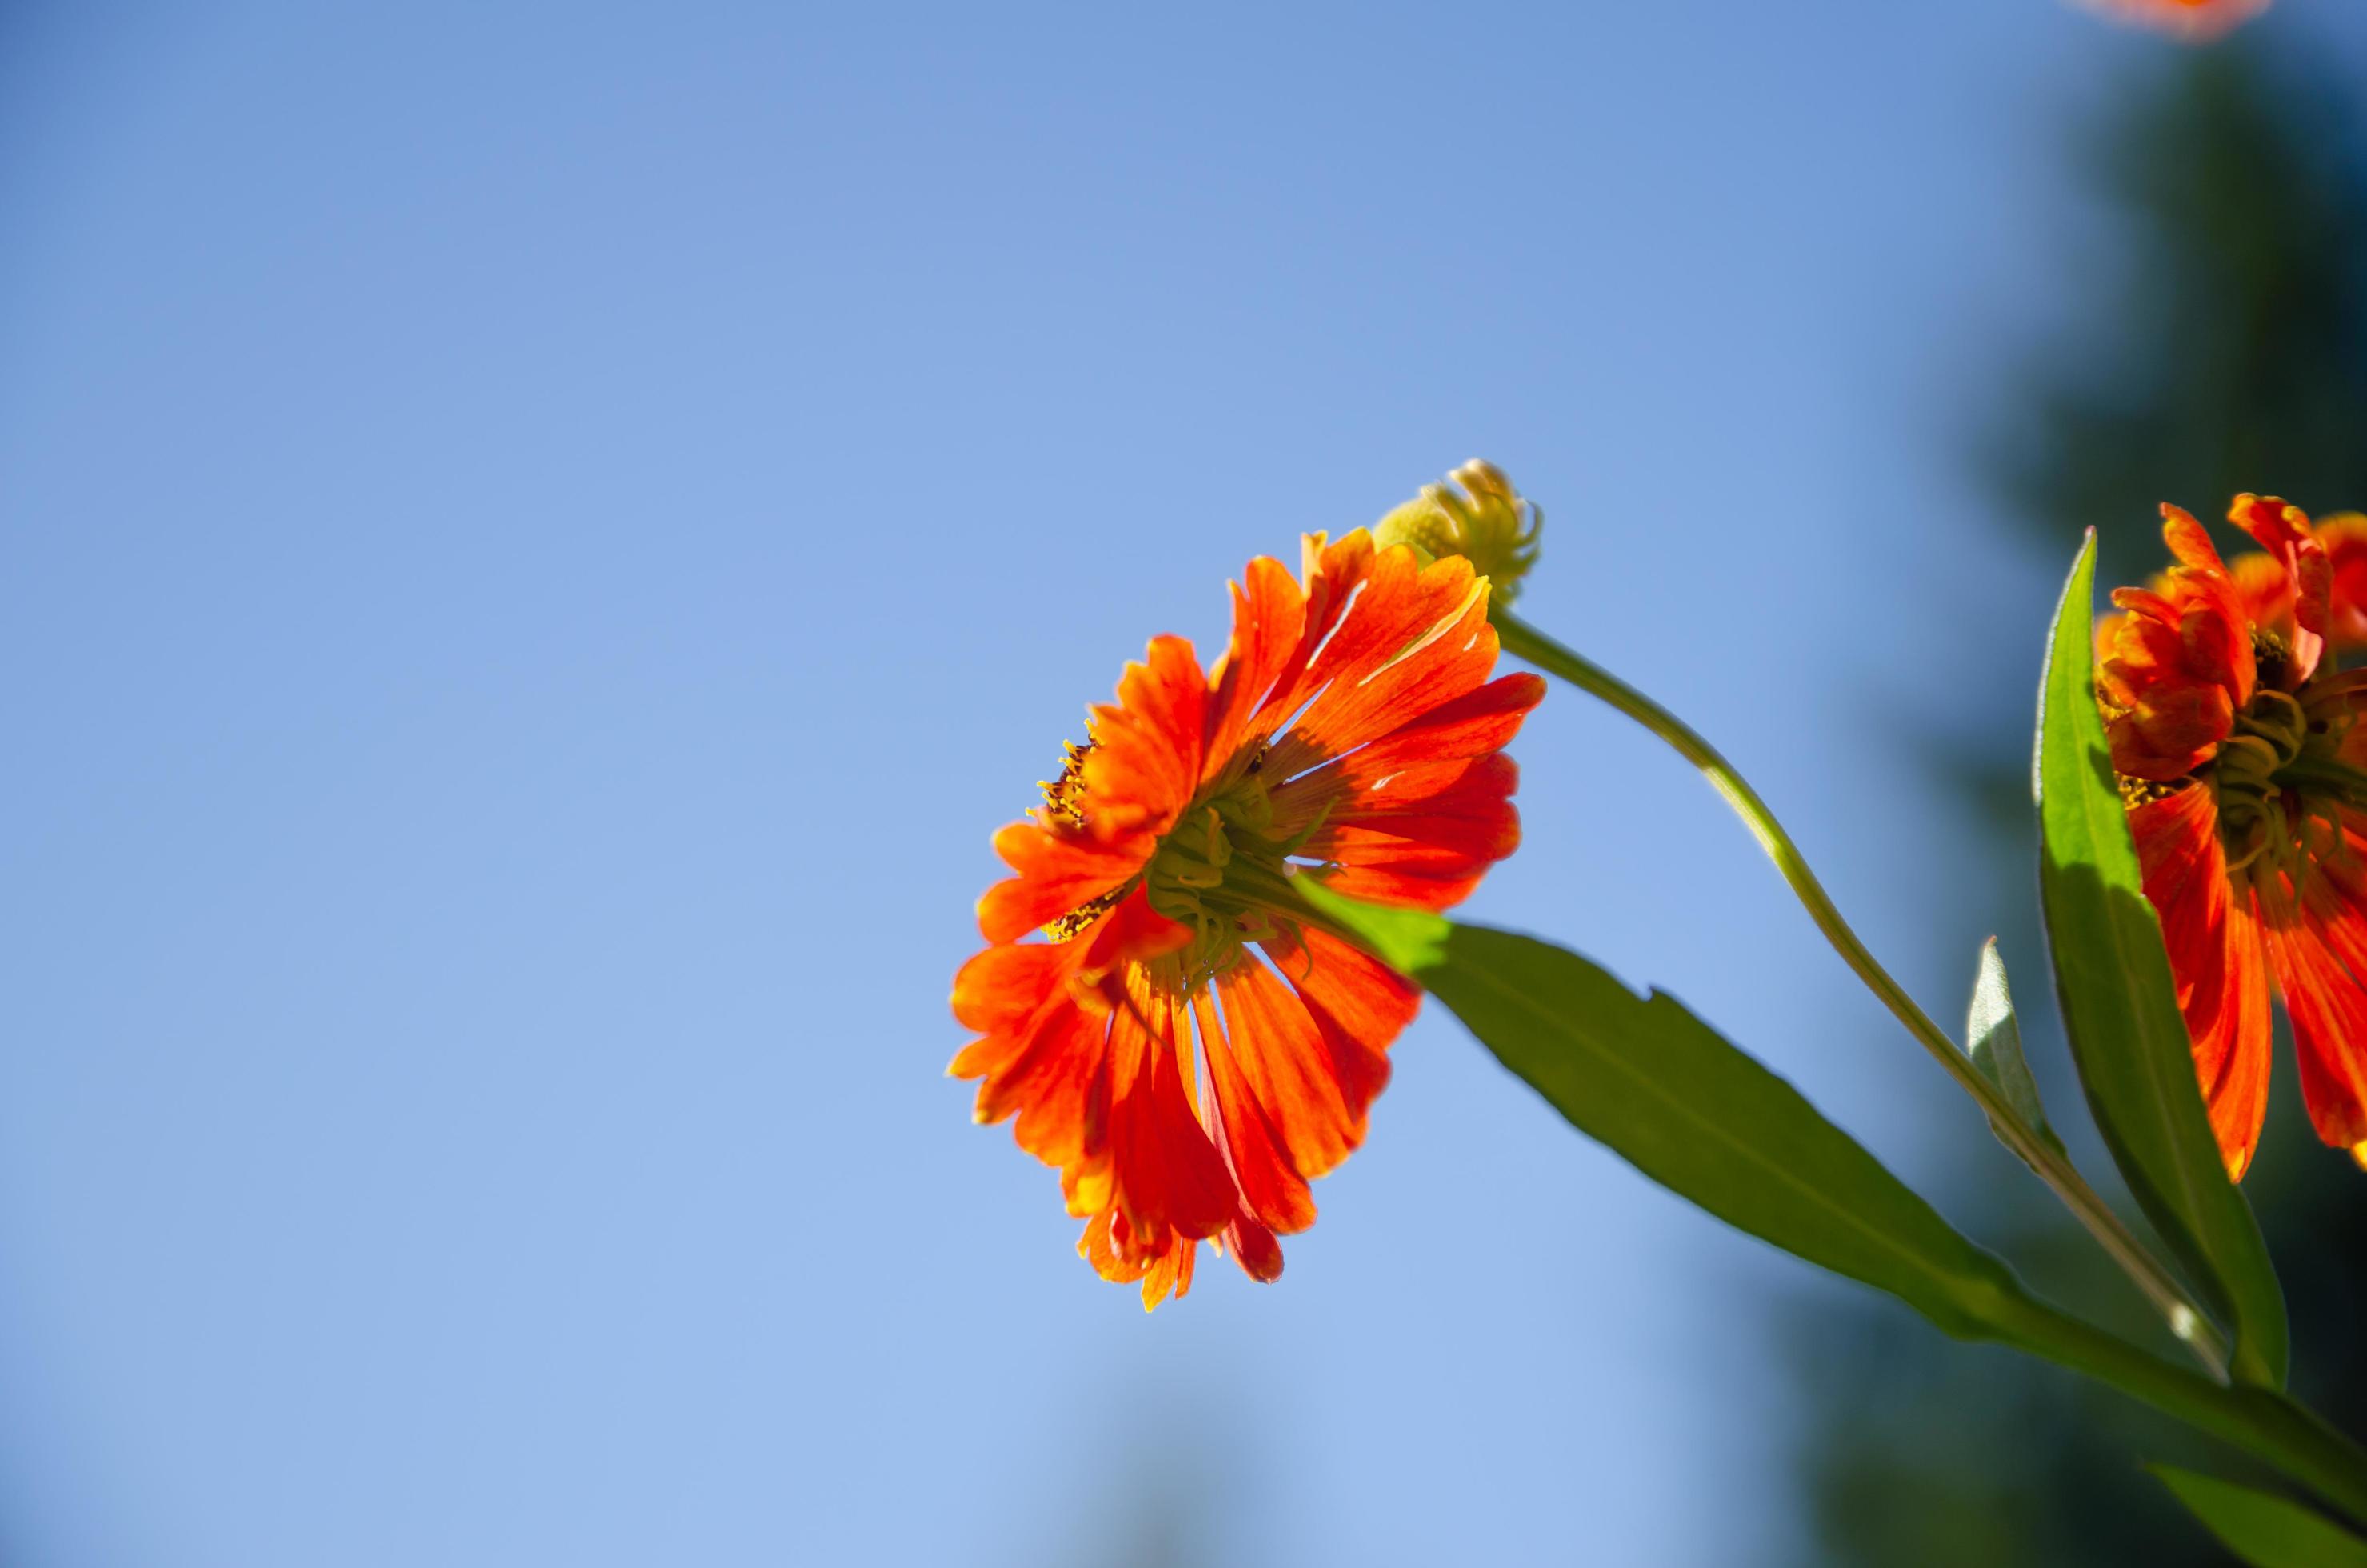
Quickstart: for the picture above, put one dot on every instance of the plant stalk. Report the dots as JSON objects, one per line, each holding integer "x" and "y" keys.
{"x": 2264, "y": 1422}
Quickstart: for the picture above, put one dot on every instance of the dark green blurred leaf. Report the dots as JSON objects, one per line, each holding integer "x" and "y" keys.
{"x": 2263, "y": 1529}
{"x": 1645, "y": 1077}
{"x": 2120, "y": 1011}
{"x": 1993, "y": 1040}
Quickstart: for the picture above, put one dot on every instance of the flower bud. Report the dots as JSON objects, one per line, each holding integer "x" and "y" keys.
{"x": 1475, "y": 514}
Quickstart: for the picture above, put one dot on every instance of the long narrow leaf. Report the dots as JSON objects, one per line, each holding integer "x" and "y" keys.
{"x": 2121, "y": 1012}
{"x": 1655, "y": 1084}
{"x": 2262, "y": 1529}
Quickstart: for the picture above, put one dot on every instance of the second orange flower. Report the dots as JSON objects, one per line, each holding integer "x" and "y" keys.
{"x": 2244, "y": 768}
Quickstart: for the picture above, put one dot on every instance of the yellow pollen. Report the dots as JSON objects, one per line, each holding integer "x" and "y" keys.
{"x": 1084, "y": 914}
{"x": 1063, "y": 797}
{"x": 2269, "y": 658}
{"x": 2136, "y": 792}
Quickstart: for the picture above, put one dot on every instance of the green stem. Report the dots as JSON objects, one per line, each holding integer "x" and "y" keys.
{"x": 2162, "y": 1288}
{"x": 2268, "y": 1425}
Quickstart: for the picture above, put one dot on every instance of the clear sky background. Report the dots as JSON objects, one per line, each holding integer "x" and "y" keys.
{"x": 539, "y": 542}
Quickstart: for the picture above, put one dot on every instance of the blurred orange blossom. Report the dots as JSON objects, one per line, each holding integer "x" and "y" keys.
{"x": 2196, "y": 21}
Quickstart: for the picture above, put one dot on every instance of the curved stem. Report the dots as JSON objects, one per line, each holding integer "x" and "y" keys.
{"x": 2186, "y": 1320}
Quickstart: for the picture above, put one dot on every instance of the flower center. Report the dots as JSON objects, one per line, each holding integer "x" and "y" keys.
{"x": 2280, "y": 779}
{"x": 1223, "y": 871}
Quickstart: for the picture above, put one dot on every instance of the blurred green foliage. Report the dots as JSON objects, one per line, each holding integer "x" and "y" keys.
{"x": 2222, "y": 348}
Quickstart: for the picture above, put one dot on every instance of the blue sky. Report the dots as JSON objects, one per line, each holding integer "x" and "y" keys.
{"x": 539, "y": 542}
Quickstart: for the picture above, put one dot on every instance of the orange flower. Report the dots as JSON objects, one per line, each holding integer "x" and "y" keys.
{"x": 2196, "y": 21}
{"x": 1191, "y": 1043}
{"x": 2245, "y": 771}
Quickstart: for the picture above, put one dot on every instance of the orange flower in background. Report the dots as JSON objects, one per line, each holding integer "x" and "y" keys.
{"x": 2196, "y": 21}
{"x": 1188, "y": 1041}
{"x": 2245, "y": 771}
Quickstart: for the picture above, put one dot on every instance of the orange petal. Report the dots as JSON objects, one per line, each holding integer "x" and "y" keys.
{"x": 1134, "y": 780}
{"x": 1085, "y": 1184}
{"x": 1170, "y": 1273}
{"x": 1048, "y": 1081}
{"x": 1269, "y": 620}
{"x": 1393, "y": 667}
{"x": 1289, "y": 1067}
{"x": 1470, "y": 726}
{"x": 1415, "y": 637}
{"x": 1058, "y": 872}
{"x": 1099, "y": 1247}
{"x": 2345, "y": 538}
{"x": 2171, "y": 730}
{"x": 2328, "y": 1010}
{"x": 2215, "y": 959}
{"x": 2238, "y": 1099}
{"x": 2188, "y": 541}
{"x": 1255, "y": 1248}
{"x": 2263, "y": 590}
{"x": 1144, "y": 768}
{"x": 1359, "y": 1005}
{"x": 1131, "y": 932}
{"x": 1428, "y": 851}
{"x": 2284, "y": 530}
{"x": 1275, "y": 1191}
{"x": 1001, "y": 986}
{"x": 2327, "y": 946}
{"x": 1334, "y": 577}
{"x": 1167, "y": 1175}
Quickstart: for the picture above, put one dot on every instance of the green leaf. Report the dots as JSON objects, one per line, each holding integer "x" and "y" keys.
{"x": 2120, "y": 1011}
{"x": 1647, "y": 1078}
{"x": 1993, "y": 1040}
{"x": 2262, "y": 1529}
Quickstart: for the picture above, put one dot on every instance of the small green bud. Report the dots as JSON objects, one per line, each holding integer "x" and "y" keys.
{"x": 1475, "y": 514}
